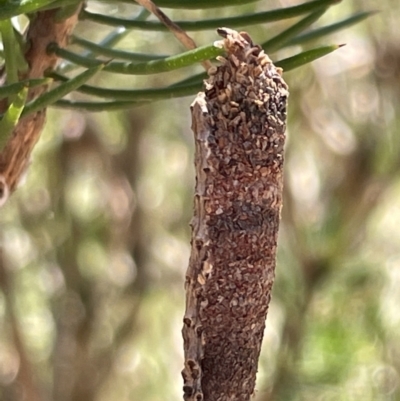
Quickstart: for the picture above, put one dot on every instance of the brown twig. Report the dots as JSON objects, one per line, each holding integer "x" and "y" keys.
{"x": 179, "y": 33}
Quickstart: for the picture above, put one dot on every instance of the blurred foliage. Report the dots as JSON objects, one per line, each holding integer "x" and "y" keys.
{"x": 95, "y": 244}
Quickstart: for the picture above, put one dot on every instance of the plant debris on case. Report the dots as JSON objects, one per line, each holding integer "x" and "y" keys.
{"x": 239, "y": 126}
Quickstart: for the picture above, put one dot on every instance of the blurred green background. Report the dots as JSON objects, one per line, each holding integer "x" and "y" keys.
{"x": 95, "y": 244}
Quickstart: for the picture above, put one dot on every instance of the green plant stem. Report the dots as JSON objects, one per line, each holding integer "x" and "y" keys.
{"x": 152, "y": 67}
{"x": 232, "y": 22}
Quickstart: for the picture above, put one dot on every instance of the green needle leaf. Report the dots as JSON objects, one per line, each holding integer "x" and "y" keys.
{"x": 152, "y": 67}
{"x": 60, "y": 4}
{"x": 130, "y": 98}
{"x": 326, "y": 30}
{"x": 192, "y": 83}
{"x": 10, "y": 54}
{"x": 96, "y": 106}
{"x": 139, "y": 94}
{"x": 200, "y": 4}
{"x": 109, "y": 41}
{"x": 13, "y": 89}
{"x": 57, "y": 93}
{"x": 306, "y": 57}
{"x": 194, "y": 4}
{"x": 232, "y": 22}
{"x": 198, "y": 78}
{"x": 278, "y": 41}
{"x": 113, "y": 53}
{"x": 12, "y": 9}
{"x": 19, "y": 50}
{"x": 11, "y": 116}
{"x": 67, "y": 11}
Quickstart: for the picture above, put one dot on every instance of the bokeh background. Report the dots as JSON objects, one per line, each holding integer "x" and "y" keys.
{"x": 95, "y": 243}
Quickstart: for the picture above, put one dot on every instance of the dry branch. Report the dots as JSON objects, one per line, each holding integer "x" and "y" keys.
{"x": 179, "y": 33}
{"x": 239, "y": 126}
{"x": 15, "y": 157}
